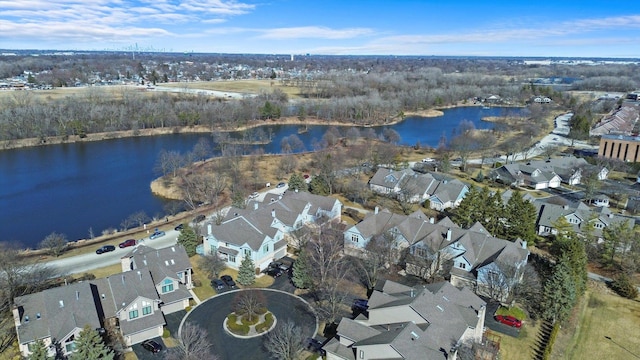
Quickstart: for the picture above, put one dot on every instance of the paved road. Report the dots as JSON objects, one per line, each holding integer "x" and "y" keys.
{"x": 211, "y": 314}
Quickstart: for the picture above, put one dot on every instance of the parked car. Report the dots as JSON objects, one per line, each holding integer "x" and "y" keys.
{"x": 179, "y": 227}
{"x": 152, "y": 346}
{"x": 253, "y": 195}
{"x": 361, "y": 305}
{"x": 127, "y": 243}
{"x": 199, "y": 218}
{"x": 217, "y": 284}
{"x": 314, "y": 345}
{"x": 273, "y": 271}
{"x": 508, "y": 320}
{"x": 228, "y": 280}
{"x": 281, "y": 185}
{"x": 157, "y": 234}
{"x": 106, "y": 248}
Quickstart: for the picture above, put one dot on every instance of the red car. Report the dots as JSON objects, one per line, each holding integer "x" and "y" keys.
{"x": 508, "y": 320}
{"x": 127, "y": 243}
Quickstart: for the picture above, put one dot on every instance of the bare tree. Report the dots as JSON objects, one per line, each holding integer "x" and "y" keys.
{"x": 285, "y": 342}
{"x": 54, "y": 243}
{"x": 249, "y": 303}
{"x": 193, "y": 345}
{"x": 169, "y": 162}
{"x": 428, "y": 262}
{"x": 212, "y": 265}
{"x": 140, "y": 218}
{"x": 202, "y": 149}
{"x": 325, "y": 256}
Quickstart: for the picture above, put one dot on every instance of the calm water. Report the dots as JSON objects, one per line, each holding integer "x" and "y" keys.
{"x": 71, "y": 188}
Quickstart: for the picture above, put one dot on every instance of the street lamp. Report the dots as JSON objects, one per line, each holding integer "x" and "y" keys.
{"x": 623, "y": 348}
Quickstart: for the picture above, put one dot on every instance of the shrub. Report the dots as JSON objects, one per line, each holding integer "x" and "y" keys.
{"x": 187, "y": 309}
{"x": 623, "y": 286}
{"x": 552, "y": 339}
{"x": 268, "y": 322}
{"x": 234, "y": 327}
{"x": 166, "y": 333}
{"x": 197, "y": 283}
{"x": 246, "y": 321}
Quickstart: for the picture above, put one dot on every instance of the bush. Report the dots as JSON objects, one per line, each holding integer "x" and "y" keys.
{"x": 245, "y": 320}
{"x": 623, "y": 286}
{"x": 268, "y": 322}
{"x": 188, "y": 308}
{"x": 166, "y": 333}
{"x": 234, "y": 327}
{"x": 197, "y": 283}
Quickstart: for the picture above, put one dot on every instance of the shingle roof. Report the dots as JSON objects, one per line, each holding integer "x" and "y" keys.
{"x": 61, "y": 310}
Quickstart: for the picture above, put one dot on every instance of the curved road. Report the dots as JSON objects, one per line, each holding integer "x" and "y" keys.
{"x": 210, "y": 315}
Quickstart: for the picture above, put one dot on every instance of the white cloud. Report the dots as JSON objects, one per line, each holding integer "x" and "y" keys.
{"x": 313, "y": 32}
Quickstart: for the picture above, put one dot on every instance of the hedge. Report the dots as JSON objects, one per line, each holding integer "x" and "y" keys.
{"x": 240, "y": 329}
{"x": 268, "y": 321}
{"x": 552, "y": 339}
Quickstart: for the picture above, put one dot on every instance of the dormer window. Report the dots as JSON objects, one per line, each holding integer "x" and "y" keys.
{"x": 167, "y": 286}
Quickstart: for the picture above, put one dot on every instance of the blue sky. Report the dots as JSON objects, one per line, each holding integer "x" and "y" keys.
{"x": 389, "y": 27}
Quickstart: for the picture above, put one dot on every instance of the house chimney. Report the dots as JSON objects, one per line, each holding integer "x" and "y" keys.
{"x": 16, "y": 315}
{"x": 273, "y": 212}
{"x": 432, "y": 220}
{"x": 77, "y": 295}
{"x": 255, "y": 205}
{"x": 209, "y": 229}
{"x": 376, "y": 210}
{"x": 448, "y": 234}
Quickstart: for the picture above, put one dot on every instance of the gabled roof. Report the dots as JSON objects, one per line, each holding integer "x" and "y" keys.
{"x": 163, "y": 262}
{"x": 448, "y": 191}
{"x": 61, "y": 310}
{"x": 375, "y": 224}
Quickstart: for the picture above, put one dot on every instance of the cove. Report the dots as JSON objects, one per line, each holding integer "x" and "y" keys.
{"x": 71, "y": 188}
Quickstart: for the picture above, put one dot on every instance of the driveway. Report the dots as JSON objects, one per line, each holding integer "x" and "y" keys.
{"x": 492, "y": 324}
{"x": 211, "y": 314}
{"x": 144, "y": 354}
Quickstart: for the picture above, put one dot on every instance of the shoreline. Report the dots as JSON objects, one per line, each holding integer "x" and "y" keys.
{"x": 291, "y": 120}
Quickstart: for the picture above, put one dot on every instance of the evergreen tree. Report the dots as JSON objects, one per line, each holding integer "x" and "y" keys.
{"x": 189, "y": 240}
{"x": 559, "y": 295}
{"x": 246, "y": 272}
{"x": 39, "y": 351}
{"x": 319, "y": 186}
{"x": 296, "y": 182}
{"x": 301, "y": 271}
{"x": 89, "y": 346}
{"x": 571, "y": 248}
{"x": 465, "y": 214}
{"x": 493, "y": 211}
{"x": 520, "y": 216}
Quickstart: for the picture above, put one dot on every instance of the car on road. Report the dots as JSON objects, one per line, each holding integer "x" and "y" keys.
{"x": 314, "y": 345}
{"x": 106, "y": 248}
{"x": 217, "y": 284}
{"x": 281, "y": 185}
{"x": 157, "y": 234}
{"x": 127, "y": 243}
{"x": 508, "y": 320}
{"x": 199, "y": 218}
{"x": 254, "y": 195}
{"x": 228, "y": 280}
{"x": 152, "y": 346}
{"x": 179, "y": 227}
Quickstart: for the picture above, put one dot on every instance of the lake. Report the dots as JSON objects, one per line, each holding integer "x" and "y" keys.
{"x": 72, "y": 188}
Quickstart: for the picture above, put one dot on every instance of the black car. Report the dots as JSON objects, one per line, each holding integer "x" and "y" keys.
{"x": 199, "y": 218}
{"x": 361, "y": 305}
{"x": 106, "y": 248}
{"x": 315, "y": 346}
{"x": 228, "y": 280}
{"x": 179, "y": 227}
{"x": 273, "y": 271}
{"x": 217, "y": 284}
{"x": 152, "y": 346}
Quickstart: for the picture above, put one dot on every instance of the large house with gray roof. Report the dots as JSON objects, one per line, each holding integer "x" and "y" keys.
{"x": 486, "y": 264}
{"x": 422, "y": 323}
{"x": 260, "y": 230}
{"x": 441, "y": 191}
{"x": 577, "y": 214}
{"x": 133, "y": 301}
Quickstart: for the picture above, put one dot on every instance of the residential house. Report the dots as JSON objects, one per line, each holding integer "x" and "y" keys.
{"x": 577, "y": 214}
{"x": 260, "y": 230}
{"x": 488, "y": 265}
{"x": 424, "y": 322}
{"x": 154, "y": 282}
{"x": 620, "y": 121}
{"x": 525, "y": 175}
{"x": 442, "y": 192}
{"x": 600, "y": 200}
{"x": 170, "y": 270}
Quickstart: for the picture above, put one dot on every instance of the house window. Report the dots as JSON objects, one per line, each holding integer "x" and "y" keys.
{"x": 355, "y": 238}
{"x": 70, "y": 347}
{"x": 361, "y": 354}
{"x": 167, "y": 286}
{"x": 146, "y": 310}
{"x": 133, "y": 314}
{"x": 231, "y": 258}
{"x": 598, "y": 225}
{"x": 265, "y": 248}
{"x": 420, "y": 251}
{"x": 247, "y": 252}
{"x": 462, "y": 266}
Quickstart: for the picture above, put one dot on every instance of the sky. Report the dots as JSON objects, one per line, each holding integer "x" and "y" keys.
{"x": 560, "y": 28}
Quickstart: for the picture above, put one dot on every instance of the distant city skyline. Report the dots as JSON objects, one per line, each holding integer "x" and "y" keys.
{"x": 331, "y": 27}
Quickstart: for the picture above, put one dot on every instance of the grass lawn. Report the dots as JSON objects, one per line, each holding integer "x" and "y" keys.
{"x": 602, "y": 314}
{"x": 523, "y": 347}
{"x": 107, "y": 271}
{"x": 240, "y": 86}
